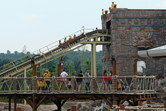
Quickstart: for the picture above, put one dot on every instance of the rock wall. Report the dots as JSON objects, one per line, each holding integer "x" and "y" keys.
{"x": 133, "y": 30}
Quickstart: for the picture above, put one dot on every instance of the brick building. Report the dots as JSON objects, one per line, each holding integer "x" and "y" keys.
{"x": 133, "y": 30}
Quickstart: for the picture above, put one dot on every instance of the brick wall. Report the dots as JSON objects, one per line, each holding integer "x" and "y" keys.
{"x": 126, "y": 26}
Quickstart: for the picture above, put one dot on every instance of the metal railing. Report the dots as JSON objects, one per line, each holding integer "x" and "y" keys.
{"x": 77, "y": 85}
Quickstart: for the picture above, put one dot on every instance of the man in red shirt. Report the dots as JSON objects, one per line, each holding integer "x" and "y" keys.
{"x": 104, "y": 75}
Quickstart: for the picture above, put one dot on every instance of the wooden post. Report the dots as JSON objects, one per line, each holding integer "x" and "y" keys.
{"x": 34, "y": 74}
{"x": 15, "y": 103}
{"x": 73, "y": 83}
{"x": 114, "y": 102}
{"x": 9, "y": 103}
{"x": 15, "y": 84}
{"x": 53, "y": 84}
{"x": 34, "y": 67}
{"x": 34, "y": 103}
{"x": 59, "y": 67}
{"x": 10, "y": 83}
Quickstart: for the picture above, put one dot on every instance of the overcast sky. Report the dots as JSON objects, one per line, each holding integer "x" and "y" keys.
{"x": 37, "y": 23}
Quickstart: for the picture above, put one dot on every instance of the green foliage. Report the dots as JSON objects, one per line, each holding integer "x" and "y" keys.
{"x": 73, "y": 62}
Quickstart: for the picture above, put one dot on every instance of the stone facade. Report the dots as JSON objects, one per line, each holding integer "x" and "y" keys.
{"x": 133, "y": 30}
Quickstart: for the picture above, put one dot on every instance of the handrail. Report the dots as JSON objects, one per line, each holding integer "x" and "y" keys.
{"x": 78, "y": 85}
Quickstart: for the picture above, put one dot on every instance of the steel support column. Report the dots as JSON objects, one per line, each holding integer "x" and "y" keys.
{"x": 15, "y": 102}
{"x": 25, "y": 83}
{"x": 93, "y": 59}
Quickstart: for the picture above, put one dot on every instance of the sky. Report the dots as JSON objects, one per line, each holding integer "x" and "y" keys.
{"x": 37, "y": 23}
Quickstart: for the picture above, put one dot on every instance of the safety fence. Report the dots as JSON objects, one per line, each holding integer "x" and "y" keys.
{"x": 81, "y": 85}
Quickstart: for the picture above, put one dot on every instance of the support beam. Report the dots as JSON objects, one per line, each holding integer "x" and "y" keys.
{"x": 93, "y": 59}
{"x": 9, "y": 103}
{"x": 34, "y": 103}
{"x": 15, "y": 102}
{"x": 39, "y": 103}
{"x": 131, "y": 103}
{"x": 28, "y": 101}
{"x": 107, "y": 102}
{"x": 25, "y": 83}
{"x": 59, "y": 103}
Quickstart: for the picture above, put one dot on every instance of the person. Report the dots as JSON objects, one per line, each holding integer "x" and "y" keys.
{"x": 104, "y": 75}
{"x": 65, "y": 39}
{"x": 47, "y": 79}
{"x": 87, "y": 80}
{"x": 79, "y": 80}
{"x": 63, "y": 76}
{"x": 59, "y": 42}
{"x": 70, "y": 37}
{"x": 110, "y": 79}
{"x": 74, "y": 36}
{"x": 102, "y": 11}
{"x": 110, "y": 9}
{"x": 69, "y": 83}
{"x": 113, "y": 5}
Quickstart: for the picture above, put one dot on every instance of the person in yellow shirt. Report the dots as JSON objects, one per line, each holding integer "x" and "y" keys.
{"x": 47, "y": 79}
{"x": 102, "y": 11}
{"x": 70, "y": 37}
{"x": 113, "y": 5}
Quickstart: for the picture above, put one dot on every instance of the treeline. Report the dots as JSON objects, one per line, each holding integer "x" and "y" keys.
{"x": 73, "y": 62}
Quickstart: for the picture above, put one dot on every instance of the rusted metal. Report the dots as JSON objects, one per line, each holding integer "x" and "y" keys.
{"x": 148, "y": 102}
{"x": 164, "y": 104}
{"x": 139, "y": 103}
{"x": 73, "y": 108}
{"x": 122, "y": 107}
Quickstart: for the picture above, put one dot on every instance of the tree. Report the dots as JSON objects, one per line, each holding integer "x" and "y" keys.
{"x": 8, "y": 52}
